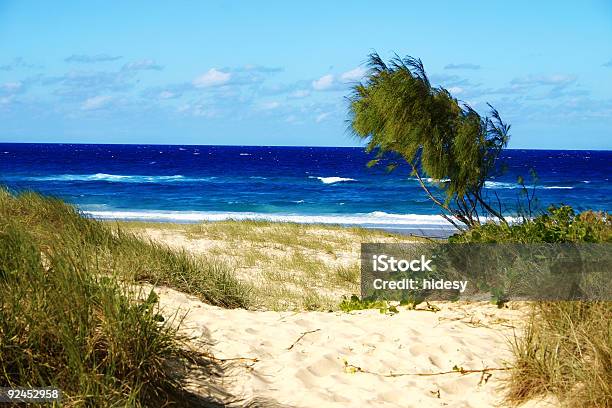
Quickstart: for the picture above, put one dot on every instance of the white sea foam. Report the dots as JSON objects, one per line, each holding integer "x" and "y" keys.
{"x": 119, "y": 178}
{"x": 376, "y": 218}
{"x": 331, "y": 180}
{"x": 500, "y": 185}
{"x": 504, "y": 185}
{"x": 433, "y": 180}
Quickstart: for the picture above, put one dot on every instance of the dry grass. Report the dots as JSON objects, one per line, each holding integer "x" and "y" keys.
{"x": 289, "y": 266}
{"x": 566, "y": 351}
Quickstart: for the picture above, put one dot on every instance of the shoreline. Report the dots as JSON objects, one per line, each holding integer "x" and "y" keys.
{"x": 420, "y": 225}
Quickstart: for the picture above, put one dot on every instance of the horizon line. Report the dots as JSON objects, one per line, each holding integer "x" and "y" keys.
{"x": 302, "y": 146}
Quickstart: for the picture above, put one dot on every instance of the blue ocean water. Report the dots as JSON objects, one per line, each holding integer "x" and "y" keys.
{"x": 304, "y": 184}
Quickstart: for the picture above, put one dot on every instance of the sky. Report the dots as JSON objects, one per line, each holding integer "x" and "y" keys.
{"x": 279, "y": 72}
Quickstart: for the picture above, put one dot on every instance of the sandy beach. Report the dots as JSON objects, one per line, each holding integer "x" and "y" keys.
{"x": 443, "y": 354}
{"x": 365, "y": 358}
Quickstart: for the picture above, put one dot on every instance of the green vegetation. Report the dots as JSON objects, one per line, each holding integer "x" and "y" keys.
{"x": 398, "y": 111}
{"x": 71, "y": 317}
{"x": 288, "y": 266}
{"x": 354, "y": 303}
{"x": 64, "y": 324}
{"x": 557, "y": 225}
{"x": 111, "y": 250}
{"x": 566, "y": 348}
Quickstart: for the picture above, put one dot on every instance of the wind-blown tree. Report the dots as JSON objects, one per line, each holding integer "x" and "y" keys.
{"x": 396, "y": 110}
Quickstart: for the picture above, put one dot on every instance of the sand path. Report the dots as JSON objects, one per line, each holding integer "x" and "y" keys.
{"x": 308, "y": 359}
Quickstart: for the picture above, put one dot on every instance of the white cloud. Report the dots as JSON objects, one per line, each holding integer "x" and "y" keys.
{"x": 268, "y": 105}
{"x": 300, "y": 93}
{"x": 556, "y": 79}
{"x": 142, "y": 65}
{"x": 213, "y": 77}
{"x": 323, "y": 83}
{"x": 167, "y": 95}
{"x": 353, "y": 75}
{"x": 5, "y": 100}
{"x": 11, "y": 86}
{"x": 88, "y": 59}
{"x": 197, "y": 109}
{"x": 455, "y": 90}
{"x": 465, "y": 65}
{"x": 321, "y": 117}
{"x": 96, "y": 102}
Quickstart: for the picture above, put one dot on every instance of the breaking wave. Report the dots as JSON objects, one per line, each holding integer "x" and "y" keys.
{"x": 332, "y": 180}
{"x": 119, "y": 178}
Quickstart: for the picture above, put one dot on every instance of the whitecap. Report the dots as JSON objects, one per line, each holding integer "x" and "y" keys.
{"x": 120, "y": 178}
{"x": 500, "y": 185}
{"x": 332, "y": 180}
{"x": 433, "y": 180}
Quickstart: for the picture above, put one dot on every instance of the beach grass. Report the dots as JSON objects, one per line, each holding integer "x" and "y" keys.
{"x": 119, "y": 252}
{"x": 288, "y": 266}
{"x": 64, "y": 322}
{"x": 566, "y": 351}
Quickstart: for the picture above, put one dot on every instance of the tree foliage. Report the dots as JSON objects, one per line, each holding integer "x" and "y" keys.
{"x": 396, "y": 109}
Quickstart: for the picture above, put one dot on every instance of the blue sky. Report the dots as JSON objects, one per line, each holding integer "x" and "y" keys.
{"x": 277, "y": 72}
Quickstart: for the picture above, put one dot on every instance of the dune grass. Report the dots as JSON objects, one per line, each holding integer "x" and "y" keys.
{"x": 115, "y": 251}
{"x": 566, "y": 351}
{"x": 289, "y": 266}
{"x": 71, "y": 318}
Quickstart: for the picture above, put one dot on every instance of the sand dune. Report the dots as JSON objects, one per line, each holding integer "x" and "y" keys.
{"x": 318, "y": 359}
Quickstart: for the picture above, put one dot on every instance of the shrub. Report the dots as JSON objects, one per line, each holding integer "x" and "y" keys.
{"x": 556, "y": 225}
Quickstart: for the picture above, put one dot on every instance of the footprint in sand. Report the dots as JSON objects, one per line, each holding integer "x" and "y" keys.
{"x": 324, "y": 367}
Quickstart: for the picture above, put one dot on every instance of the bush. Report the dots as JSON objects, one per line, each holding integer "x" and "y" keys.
{"x": 566, "y": 347}
{"x": 557, "y": 225}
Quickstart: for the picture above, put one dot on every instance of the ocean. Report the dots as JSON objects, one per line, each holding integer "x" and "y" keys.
{"x": 301, "y": 184}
